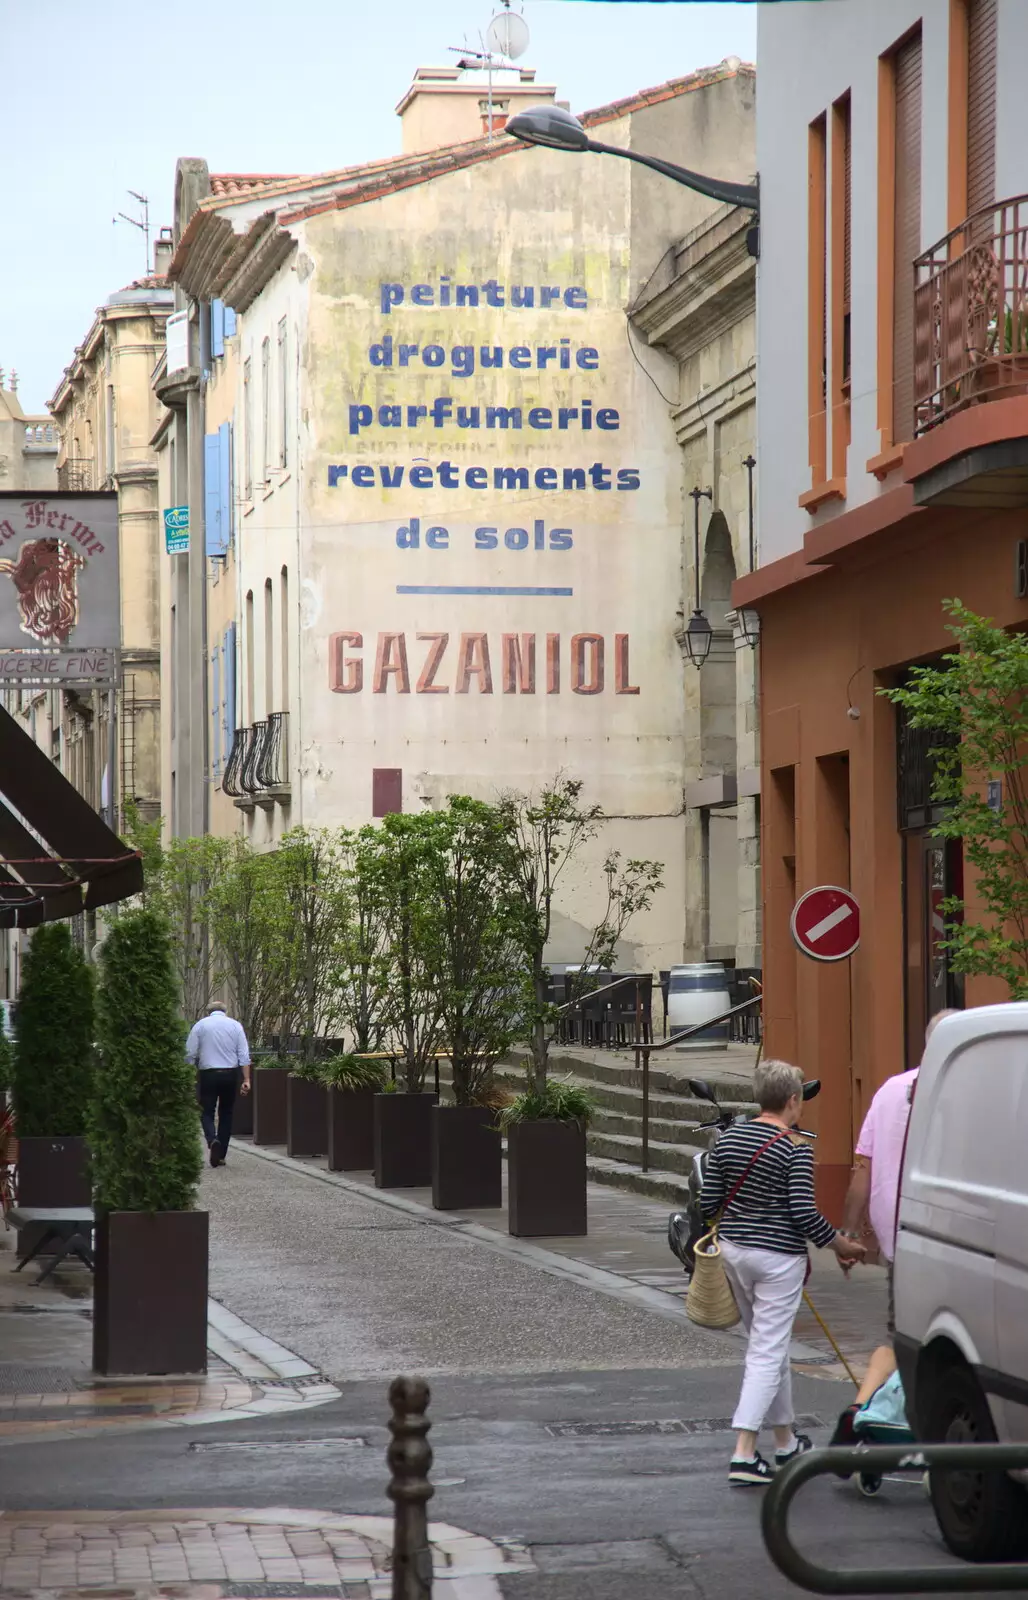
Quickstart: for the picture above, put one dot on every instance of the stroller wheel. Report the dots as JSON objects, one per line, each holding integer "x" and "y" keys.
{"x": 869, "y": 1484}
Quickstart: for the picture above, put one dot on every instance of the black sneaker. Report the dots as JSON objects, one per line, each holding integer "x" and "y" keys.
{"x": 750, "y": 1474}
{"x": 783, "y": 1457}
{"x": 216, "y": 1156}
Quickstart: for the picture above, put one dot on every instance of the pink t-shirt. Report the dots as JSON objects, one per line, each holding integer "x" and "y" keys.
{"x": 881, "y": 1141}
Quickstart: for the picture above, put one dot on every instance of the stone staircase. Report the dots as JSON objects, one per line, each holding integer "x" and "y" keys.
{"x": 615, "y": 1132}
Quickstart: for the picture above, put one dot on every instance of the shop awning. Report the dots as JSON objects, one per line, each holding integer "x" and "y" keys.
{"x": 57, "y": 857}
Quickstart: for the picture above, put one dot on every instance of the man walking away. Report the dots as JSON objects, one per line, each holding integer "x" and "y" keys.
{"x": 217, "y": 1047}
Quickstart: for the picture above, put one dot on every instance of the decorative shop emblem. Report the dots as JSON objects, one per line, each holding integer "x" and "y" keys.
{"x": 45, "y": 576}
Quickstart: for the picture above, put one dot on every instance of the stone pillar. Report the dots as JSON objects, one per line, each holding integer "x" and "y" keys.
{"x": 749, "y": 936}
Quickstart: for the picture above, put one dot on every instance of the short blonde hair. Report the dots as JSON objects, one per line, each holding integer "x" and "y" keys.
{"x": 775, "y": 1083}
{"x": 933, "y": 1022}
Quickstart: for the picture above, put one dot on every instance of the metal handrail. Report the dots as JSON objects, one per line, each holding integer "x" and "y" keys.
{"x": 878, "y": 1460}
{"x": 607, "y": 988}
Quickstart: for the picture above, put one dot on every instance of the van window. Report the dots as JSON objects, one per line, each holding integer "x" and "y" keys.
{"x": 974, "y": 1097}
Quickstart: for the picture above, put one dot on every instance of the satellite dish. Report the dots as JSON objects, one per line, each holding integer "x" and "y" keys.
{"x": 508, "y": 35}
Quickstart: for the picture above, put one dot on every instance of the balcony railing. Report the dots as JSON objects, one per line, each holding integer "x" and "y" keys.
{"x": 248, "y": 780}
{"x": 971, "y": 314}
{"x": 76, "y": 473}
{"x": 272, "y": 757}
{"x": 231, "y": 778}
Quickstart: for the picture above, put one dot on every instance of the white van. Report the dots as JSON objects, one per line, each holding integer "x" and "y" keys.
{"x": 961, "y": 1271}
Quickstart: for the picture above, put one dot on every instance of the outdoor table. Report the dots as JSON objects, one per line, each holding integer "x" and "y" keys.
{"x": 393, "y": 1056}
{"x": 72, "y": 1225}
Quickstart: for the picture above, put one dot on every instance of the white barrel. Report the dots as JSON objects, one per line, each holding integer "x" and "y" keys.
{"x": 696, "y": 991}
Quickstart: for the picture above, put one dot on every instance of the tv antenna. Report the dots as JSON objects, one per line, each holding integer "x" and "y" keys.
{"x": 505, "y": 39}
{"x": 142, "y": 223}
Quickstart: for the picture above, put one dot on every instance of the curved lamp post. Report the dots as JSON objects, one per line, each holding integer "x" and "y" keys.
{"x": 557, "y": 129}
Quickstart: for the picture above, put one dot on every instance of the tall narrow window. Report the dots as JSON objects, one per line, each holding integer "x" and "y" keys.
{"x": 817, "y": 351}
{"x": 841, "y": 277}
{"x": 283, "y": 395}
{"x": 981, "y": 105}
{"x": 284, "y": 635}
{"x": 266, "y": 411}
{"x": 247, "y": 431}
{"x": 269, "y": 650}
{"x": 248, "y": 646}
{"x": 906, "y": 229}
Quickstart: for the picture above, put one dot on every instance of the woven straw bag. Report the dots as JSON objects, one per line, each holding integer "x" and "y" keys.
{"x": 710, "y": 1302}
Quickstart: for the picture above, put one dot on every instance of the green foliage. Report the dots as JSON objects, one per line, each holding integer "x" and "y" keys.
{"x": 404, "y": 868}
{"x": 53, "y": 1055}
{"x": 562, "y": 1101}
{"x": 976, "y": 702}
{"x": 351, "y": 1072}
{"x": 309, "y": 875}
{"x": 630, "y": 889}
{"x": 144, "y": 1129}
{"x": 251, "y": 938}
{"x": 6, "y": 1062}
{"x": 364, "y": 961}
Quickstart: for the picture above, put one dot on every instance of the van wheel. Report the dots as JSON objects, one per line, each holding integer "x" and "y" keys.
{"x": 982, "y": 1516}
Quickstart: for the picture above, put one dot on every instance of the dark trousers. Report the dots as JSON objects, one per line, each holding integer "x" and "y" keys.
{"x": 217, "y": 1088}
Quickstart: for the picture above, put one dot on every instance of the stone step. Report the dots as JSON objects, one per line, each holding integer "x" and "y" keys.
{"x": 675, "y": 1158}
{"x": 655, "y": 1184}
{"x": 665, "y": 1130}
{"x": 620, "y": 1071}
{"x": 627, "y": 1099}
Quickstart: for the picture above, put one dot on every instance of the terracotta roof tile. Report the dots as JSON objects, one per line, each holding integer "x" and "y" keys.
{"x": 668, "y": 91}
{"x": 224, "y": 184}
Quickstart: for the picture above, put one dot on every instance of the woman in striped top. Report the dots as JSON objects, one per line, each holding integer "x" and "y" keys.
{"x": 767, "y": 1180}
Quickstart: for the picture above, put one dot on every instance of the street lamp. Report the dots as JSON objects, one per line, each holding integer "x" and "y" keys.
{"x": 698, "y": 636}
{"x": 559, "y": 130}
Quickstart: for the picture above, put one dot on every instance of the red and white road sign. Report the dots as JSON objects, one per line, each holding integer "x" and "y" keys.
{"x": 825, "y": 923}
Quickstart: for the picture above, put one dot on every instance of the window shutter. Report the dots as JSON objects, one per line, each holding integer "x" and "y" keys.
{"x": 230, "y": 323}
{"x": 216, "y": 540}
{"x": 217, "y": 328}
{"x": 981, "y": 105}
{"x": 907, "y": 231}
{"x": 225, "y": 483}
{"x": 215, "y": 712}
{"x": 228, "y": 652}
{"x": 386, "y": 791}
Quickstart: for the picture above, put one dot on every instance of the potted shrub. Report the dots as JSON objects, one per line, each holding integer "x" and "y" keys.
{"x": 53, "y": 1071}
{"x": 306, "y": 1111}
{"x": 352, "y": 1084}
{"x": 150, "y": 1292}
{"x": 403, "y": 1128}
{"x": 546, "y": 1171}
{"x": 270, "y": 1080}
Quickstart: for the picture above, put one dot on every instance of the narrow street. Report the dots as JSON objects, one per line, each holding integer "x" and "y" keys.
{"x": 590, "y": 1432}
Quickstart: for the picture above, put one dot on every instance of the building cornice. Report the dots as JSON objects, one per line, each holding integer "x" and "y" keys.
{"x": 720, "y": 401}
{"x": 708, "y": 288}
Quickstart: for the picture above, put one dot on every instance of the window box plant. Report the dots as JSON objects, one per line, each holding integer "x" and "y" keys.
{"x": 150, "y": 1291}
{"x": 352, "y": 1084}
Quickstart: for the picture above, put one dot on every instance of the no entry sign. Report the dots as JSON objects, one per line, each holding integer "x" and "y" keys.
{"x": 826, "y": 923}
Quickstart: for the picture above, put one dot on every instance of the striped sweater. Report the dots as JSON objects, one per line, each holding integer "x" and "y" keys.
{"x": 775, "y": 1208}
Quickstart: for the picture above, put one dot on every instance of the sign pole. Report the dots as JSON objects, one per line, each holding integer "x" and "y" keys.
{"x": 112, "y": 757}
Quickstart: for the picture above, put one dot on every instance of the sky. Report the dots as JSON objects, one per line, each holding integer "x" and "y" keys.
{"x": 103, "y": 96}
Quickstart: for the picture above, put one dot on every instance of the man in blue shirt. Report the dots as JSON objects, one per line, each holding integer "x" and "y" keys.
{"x": 217, "y": 1047}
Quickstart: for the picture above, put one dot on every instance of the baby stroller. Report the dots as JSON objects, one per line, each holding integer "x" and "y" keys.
{"x": 880, "y": 1420}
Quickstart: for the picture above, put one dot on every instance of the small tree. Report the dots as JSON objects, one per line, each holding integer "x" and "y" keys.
{"x": 546, "y": 834}
{"x": 414, "y": 1007}
{"x": 308, "y": 874}
{"x": 976, "y": 702}
{"x": 630, "y": 889}
{"x": 53, "y": 1057}
{"x": 250, "y": 938}
{"x": 143, "y": 1128}
{"x": 365, "y": 968}
{"x": 469, "y": 937}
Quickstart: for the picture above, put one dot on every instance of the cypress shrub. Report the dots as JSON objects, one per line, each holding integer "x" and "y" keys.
{"x": 53, "y": 1065}
{"x": 144, "y": 1127}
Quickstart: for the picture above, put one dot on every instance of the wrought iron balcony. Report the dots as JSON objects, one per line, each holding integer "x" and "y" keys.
{"x": 231, "y": 778}
{"x": 76, "y": 474}
{"x": 248, "y": 779}
{"x": 971, "y": 315}
{"x": 272, "y": 757}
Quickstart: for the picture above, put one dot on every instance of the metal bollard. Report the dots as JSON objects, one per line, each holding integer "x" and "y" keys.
{"x": 409, "y": 1458}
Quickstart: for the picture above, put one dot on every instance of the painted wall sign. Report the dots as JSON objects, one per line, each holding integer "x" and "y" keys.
{"x": 59, "y": 588}
{"x": 176, "y": 530}
{"x": 825, "y": 923}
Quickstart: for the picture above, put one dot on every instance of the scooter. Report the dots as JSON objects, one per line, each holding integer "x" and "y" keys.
{"x": 685, "y": 1228}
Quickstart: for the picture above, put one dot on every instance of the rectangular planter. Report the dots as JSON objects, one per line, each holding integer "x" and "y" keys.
{"x": 269, "y": 1105}
{"x": 150, "y": 1293}
{"x": 546, "y": 1176}
{"x": 467, "y": 1158}
{"x": 351, "y": 1130}
{"x": 403, "y": 1140}
{"x": 306, "y": 1117}
{"x": 51, "y": 1172}
{"x": 242, "y": 1115}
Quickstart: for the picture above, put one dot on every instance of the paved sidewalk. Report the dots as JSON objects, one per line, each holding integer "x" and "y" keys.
{"x": 47, "y": 1387}
{"x": 182, "y": 1553}
{"x": 626, "y": 1253}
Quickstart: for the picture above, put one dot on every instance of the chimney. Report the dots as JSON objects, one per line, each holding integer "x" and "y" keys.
{"x": 163, "y": 250}
{"x": 449, "y": 105}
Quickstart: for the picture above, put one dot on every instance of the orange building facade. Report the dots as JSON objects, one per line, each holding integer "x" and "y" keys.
{"x": 893, "y": 474}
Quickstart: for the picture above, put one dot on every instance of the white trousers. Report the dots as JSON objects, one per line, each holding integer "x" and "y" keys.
{"x": 768, "y": 1288}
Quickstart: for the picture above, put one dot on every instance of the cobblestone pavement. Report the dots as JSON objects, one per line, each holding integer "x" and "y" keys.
{"x": 183, "y": 1553}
